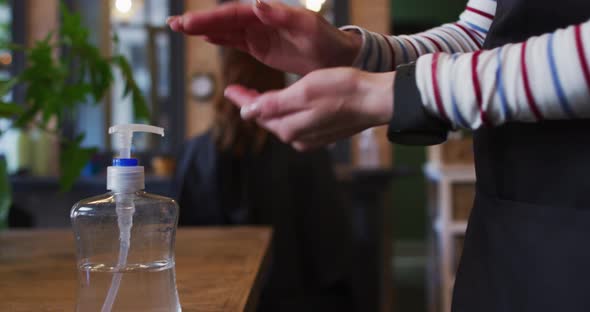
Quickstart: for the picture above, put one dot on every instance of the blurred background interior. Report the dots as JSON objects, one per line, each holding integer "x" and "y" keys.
{"x": 394, "y": 216}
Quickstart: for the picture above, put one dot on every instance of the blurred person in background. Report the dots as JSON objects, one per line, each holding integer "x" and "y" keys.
{"x": 239, "y": 174}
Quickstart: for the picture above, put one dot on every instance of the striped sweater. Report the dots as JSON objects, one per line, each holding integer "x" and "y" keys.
{"x": 545, "y": 77}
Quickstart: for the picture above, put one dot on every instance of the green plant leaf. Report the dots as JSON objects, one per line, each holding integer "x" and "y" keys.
{"x": 56, "y": 86}
{"x": 125, "y": 69}
{"x": 12, "y": 46}
{"x": 72, "y": 30}
{"x": 7, "y": 85}
{"x": 140, "y": 107}
{"x": 25, "y": 118}
{"x": 101, "y": 77}
{"x": 115, "y": 38}
{"x": 8, "y": 110}
{"x": 73, "y": 159}
{"x": 75, "y": 93}
{"x": 5, "y": 194}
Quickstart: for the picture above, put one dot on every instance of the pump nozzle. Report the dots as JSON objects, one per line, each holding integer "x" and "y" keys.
{"x": 125, "y": 174}
{"x": 124, "y": 136}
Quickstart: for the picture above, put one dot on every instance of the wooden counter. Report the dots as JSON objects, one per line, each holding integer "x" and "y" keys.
{"x": 216, "y": 269}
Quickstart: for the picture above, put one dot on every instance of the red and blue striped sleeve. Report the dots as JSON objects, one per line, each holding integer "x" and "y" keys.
{"x": 545, "y": 77}
{"x": 381, "y": 53}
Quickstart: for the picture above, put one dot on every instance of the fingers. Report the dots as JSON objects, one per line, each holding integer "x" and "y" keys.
{"x": 269, "y": 105}
{"x": 318, "y": 138}
{"x": 232, "y": 41}
{"x": 256, "y": 106}
{"x": 279, "y": 15}
{"x": 289, "y": 128}
{"x": 240, "y": 95}
{"x": 228, "y": 17}
{"x": 304, "y": 132}
{"x": 235, "y": 37}
{"x": 264, "y": 106}
{"x": 236, "y": 16}
{"x": 175, "y": 23}
{"x": 307, "y": 146}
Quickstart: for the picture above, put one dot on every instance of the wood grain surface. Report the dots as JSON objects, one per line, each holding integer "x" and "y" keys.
{"x": 217, "y": 269}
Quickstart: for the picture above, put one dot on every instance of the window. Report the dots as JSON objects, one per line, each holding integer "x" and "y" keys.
{"x": 6, "y": 56}
{"x": 5, "y": 36}
{"x": 12, "y": 20}
{"x": 145, "y": 40}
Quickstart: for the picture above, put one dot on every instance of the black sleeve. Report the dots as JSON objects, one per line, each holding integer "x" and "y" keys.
{"x": 411, "y": 123}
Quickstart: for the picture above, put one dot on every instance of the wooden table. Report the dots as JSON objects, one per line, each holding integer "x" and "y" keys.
{"x": 217, "y": 269}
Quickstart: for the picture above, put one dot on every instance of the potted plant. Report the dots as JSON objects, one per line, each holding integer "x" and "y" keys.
{"x": 58, "y": 83}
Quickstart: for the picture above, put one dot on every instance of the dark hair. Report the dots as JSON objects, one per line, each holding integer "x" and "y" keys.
{"x": 230, "y": 132}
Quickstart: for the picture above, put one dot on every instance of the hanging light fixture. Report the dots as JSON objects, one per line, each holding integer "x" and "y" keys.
{"x": 123, "y": 6}
{"x": 313, "y": 5}
{"x": 124, "y": 10}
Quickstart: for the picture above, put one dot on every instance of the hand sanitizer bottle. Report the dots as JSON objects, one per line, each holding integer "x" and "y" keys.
{"x": 125, "y": 239}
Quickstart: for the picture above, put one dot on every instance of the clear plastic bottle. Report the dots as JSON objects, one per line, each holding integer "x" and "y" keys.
{"x": 125, "y": 242}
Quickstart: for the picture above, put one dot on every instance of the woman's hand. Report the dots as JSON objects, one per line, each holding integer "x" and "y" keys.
{"x": 287, "y": 38}
{"x": 322, "y": 107}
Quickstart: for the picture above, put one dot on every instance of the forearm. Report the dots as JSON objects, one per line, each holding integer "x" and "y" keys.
{"x": 546, "y": 77}
{"x": 381, "y": 53}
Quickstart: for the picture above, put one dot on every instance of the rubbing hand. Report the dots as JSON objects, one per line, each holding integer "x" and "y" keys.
{"x": 322, "y": 107}
{"x": 287, "y": 38}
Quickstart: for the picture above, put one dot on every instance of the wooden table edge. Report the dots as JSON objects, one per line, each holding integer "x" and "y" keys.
{"x": 251, "y": 303}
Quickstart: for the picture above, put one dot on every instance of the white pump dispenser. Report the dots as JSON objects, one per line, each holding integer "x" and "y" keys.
{"x": 124, "y": 136}
{"x": 125, "y": 175}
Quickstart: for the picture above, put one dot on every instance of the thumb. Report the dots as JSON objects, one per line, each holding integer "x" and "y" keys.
{"x": 278, "y": 14}
{"x": 253, "y": 104}
{"x": 275, "y": 104}
{"x": 267, "y": 105}
{"x": 272, "y": 104}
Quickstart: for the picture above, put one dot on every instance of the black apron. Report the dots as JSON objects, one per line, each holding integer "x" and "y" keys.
{"x": 527, "y": 246}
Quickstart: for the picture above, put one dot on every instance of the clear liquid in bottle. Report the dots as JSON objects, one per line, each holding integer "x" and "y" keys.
{"x": 140, "y": 288}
